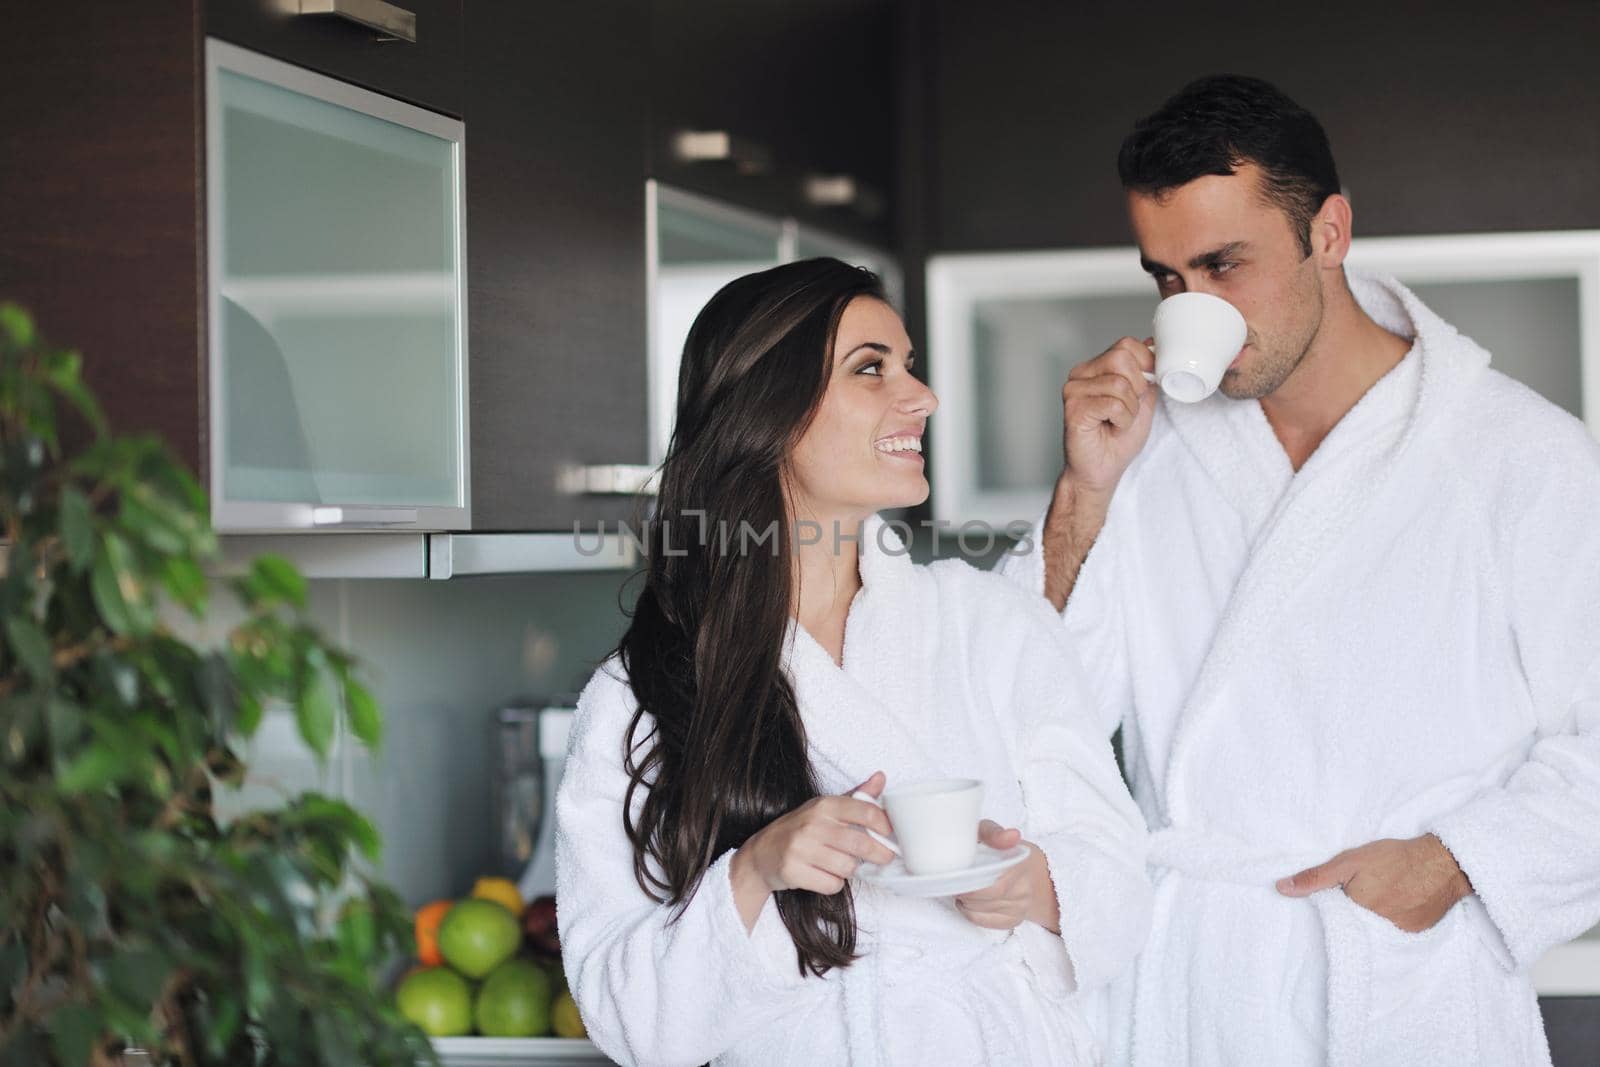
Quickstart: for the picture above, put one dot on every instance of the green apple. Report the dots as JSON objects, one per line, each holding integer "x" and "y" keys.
{"x": 436, "y": 999}
{"x": 514, "y": 1001}
{"x": 476, "y": 936}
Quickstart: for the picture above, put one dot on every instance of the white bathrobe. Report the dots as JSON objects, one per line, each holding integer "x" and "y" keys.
{"x": 948, "y": 672}
{"x": 1401, "y": 638}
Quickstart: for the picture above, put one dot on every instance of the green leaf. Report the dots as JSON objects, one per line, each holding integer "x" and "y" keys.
{"x": 118, "y": 592}
{"x": 248, "y": 718}
{"x": 31, "y": 647}
{"x": 74, "y": 1028}
{"x": 186, "y": 582}
{"x": 94, "y": 768}
{"x": 275, "y": 578}
{"x": 138, "y": 974}
{"x": 77, "y": 528}
{"x": 357, "y": 932}
{"x": 226, "y": 1014}
{"x": 62, "y": 372}
{"x": 316, "y": 714}
{"x": 66, "y": 726}
{"x": 16, "y": 326}
{"x": 365, "y": 720}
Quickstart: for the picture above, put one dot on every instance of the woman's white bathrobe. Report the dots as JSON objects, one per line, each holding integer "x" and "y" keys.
{"x": 948, "y": 672}
{"x": 1400, "y": 638}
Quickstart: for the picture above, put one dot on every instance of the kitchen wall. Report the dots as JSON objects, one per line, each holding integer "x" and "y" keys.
{"x": 1470, "y": 117}
{"x": 442, "y": 658}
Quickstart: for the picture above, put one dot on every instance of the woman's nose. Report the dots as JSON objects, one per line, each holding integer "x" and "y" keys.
{"x": 918, "y": 398}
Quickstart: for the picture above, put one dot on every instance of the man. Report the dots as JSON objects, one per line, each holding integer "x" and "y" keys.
{"x": 1347, "y": 614}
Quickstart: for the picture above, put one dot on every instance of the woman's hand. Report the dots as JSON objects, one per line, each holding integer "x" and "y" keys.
{"x": 817, "y": 847}
{"x": 1025, "y": 892}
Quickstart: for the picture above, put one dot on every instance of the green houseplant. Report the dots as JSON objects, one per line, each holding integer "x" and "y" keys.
{"x": 129, "y": 911}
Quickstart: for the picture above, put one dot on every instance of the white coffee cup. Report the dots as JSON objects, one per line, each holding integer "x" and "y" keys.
{"x": 1197, "y": 336}
{"x": 935, "y": 823}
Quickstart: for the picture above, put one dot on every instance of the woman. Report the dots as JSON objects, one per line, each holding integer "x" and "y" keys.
{"x": 783, "y": 654}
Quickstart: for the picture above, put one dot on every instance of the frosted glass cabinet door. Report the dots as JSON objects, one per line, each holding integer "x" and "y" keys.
{"x": 698, "y": 246}
{"x": 337, "y": 336}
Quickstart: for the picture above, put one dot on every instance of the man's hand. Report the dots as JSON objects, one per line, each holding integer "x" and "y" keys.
{"x": 1410, "y": 883}
{"x": 1022, "y": 893}
{"x": 1106, "y": 407}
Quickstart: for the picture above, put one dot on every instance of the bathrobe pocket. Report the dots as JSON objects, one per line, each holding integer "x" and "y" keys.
{"x": 1396, "y": 997}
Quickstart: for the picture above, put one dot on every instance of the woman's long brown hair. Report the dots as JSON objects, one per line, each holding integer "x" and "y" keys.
{"x": 724, "y": 752}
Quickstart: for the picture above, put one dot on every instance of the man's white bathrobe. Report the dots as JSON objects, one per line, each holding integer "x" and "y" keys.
{"x": 948, "y": 672}
{"x": 1400, "y": 638}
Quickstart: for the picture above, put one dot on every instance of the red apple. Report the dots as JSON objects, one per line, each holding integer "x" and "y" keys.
{"x": 539, "y": 927}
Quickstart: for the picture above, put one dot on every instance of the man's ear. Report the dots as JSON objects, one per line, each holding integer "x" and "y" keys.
{"x": 1330, "y": 232}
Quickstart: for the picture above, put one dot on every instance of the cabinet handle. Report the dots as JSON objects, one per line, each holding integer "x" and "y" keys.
{"x": 842, "y": 190}
{"x": 720, "y": 146}
{"x": 376, "y": 14}
{"x": 610, "y": 479}
{"x": 327, "y": 515}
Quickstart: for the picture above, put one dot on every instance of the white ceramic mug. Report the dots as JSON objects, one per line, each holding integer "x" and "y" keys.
{"x": 935, "y": 823}
{"x": 1196, "y": 336}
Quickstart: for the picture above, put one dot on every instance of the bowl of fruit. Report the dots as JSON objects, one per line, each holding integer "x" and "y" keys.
{"x": 488, "y": 985}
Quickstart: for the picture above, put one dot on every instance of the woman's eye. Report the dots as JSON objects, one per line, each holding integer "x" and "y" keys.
{"x": 874, "y": 367}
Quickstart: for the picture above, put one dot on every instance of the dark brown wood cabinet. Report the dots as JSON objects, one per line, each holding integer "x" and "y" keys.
{"x": 102, "y": 191}
{"x": 555, "y": 110}
{"x": 426, "y": 72}
{"x": 812, "y": 84}
{"x": 102, "y": 208}
{"x": 567, "y": 109}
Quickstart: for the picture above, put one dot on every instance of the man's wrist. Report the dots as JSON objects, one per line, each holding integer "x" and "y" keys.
{"x": 1441, "y": 858}
{"x": 1073, "y": 499}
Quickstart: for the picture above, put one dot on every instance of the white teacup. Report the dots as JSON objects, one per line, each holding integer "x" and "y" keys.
{"x": 1197, "y": 336}
{"x": 935, "y": 823}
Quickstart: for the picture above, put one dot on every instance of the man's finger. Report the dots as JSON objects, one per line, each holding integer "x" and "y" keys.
{"x": 1313, "y": 879}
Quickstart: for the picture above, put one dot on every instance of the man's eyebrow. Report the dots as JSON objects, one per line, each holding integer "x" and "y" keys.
{"x": 1203, "y": 260}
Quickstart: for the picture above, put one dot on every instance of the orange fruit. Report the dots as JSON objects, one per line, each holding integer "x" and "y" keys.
{"x": 429, "y": 916}
{"x": 500, "y": 890}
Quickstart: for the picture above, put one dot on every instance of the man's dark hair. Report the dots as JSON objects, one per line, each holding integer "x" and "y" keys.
{"x": 1215, "y": 125}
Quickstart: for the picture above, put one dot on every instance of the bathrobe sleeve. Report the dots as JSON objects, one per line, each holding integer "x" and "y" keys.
{"x": 1079, "y": 811}
{"x": 1094, "y": 617}
{"x": 654, "y": 986}
{"x": 1531, "y": 847}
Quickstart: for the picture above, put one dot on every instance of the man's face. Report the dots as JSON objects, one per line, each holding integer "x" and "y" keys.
{"x": 1218, "y": 235}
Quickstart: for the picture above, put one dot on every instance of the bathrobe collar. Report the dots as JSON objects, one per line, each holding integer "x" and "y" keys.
{"x": 874, "y": 712}
{"x": 1300, "y": 520}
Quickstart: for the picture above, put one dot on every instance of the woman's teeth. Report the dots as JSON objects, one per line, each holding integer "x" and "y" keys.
{"x": 900, "y": 444}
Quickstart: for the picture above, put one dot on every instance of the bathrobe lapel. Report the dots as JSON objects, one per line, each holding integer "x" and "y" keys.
{"x": 1302, "y": 519}
{"x": 877, "y": 711}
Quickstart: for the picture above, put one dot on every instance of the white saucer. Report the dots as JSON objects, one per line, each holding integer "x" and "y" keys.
{"x": 987, "y": 866}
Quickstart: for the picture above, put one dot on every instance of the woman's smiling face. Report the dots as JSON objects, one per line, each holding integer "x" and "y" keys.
{"x": 862, "y": 452}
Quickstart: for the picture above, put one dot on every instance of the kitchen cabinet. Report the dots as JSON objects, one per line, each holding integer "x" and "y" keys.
{"x": 103, "y": 203}
{"x": 1005, "y": 328}
{"x": 108, "y": 240}
{"x": 555, "y": 109}
{"x": 806, "y": 90}
{"x": 335, "y": 226}
{"x": 426, "y": 71}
